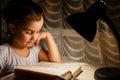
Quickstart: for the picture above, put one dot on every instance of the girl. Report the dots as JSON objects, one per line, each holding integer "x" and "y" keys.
{"x": 24, "y": 21}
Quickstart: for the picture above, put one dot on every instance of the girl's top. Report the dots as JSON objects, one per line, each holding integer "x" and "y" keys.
{"x": 9, "y": 60}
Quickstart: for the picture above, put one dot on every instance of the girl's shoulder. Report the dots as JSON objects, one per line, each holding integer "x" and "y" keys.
{"x": 36, "y": 48}
{"x": 4, "y": 50}
{"x": 4, "y": 47}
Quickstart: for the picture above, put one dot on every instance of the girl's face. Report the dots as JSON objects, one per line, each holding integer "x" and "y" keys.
{"x": 25, "y": 37}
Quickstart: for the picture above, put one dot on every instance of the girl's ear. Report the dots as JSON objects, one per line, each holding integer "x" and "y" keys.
{"x": 11, "y": 28}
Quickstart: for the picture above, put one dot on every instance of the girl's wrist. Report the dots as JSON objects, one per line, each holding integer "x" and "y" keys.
{"x": 48, "y": 34}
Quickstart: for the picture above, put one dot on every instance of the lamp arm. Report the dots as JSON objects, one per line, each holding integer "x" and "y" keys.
{"x": 114, "y": 30}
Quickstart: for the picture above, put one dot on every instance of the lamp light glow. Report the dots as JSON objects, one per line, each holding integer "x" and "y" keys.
{"x": 85, "y": 24}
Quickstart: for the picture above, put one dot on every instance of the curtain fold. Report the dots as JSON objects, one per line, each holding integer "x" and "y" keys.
{"x": 73, "y": 47}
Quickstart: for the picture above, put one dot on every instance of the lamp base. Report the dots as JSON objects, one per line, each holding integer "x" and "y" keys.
{"x": 107, "y": 73}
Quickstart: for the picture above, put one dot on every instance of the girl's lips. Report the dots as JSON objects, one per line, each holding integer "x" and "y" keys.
{"x": 30, "y": 42}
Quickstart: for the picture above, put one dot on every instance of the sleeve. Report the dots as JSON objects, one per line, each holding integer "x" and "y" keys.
{"x": 38, "y": 48}
{"x": 2, "y": 57}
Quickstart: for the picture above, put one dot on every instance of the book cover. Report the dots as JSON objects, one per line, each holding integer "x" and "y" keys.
{"x": 48, "y": 71}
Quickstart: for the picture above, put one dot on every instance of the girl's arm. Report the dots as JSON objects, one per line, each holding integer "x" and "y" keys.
{"x": 0, "y": 71}
{"x": 52, "y": 54}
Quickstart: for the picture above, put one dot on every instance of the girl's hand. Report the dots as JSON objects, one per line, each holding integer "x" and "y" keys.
{"x": 42, "y": 35}
{"x": 71, "y": 79}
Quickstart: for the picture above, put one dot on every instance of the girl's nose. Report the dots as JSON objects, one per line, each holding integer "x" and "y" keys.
{"x": 34, "y": 37}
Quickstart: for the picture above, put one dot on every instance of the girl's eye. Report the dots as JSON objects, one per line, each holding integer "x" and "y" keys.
{"x": 28, "y": 32}
{"x": 38, "y": 32}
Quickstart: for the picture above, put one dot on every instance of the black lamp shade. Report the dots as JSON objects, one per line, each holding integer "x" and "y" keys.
{"x": 85, "y": 22}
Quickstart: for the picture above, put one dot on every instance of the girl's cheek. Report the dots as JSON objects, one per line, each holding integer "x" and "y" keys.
{"x": 25, "y": 37}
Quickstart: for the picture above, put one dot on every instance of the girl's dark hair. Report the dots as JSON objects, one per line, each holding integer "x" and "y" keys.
{"x": 21, "y": 11}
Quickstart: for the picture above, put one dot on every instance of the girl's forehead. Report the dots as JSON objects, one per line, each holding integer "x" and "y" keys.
{"x": 34, "y": 24}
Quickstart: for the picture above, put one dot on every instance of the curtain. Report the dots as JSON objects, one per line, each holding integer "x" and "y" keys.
{"x": 103, "y": 50}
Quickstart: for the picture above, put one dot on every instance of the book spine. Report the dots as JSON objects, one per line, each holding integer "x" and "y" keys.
{"x": 30, "y": 75}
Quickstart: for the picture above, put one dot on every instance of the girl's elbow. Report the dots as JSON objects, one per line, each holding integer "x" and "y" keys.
{"x": 56, "y": 60}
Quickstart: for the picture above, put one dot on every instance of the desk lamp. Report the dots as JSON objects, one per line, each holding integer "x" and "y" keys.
{"x": 85, "y": 24}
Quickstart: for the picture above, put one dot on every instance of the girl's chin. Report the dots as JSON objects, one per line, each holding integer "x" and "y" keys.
{"x": 29, "y": 45}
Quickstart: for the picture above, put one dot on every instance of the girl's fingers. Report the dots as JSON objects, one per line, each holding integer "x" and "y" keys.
{"x": 35, "y": 43}
{"x": 42, "y": 35}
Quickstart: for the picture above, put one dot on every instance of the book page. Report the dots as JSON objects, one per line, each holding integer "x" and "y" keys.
{"x": 88, "y": 72}
{"x": 53, "y": 68}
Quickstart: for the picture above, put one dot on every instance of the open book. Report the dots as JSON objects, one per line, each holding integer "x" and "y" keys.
{"x": 48, "y": 71}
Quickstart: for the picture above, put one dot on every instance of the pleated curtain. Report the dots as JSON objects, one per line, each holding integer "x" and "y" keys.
{"x": 103, "y": 50}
